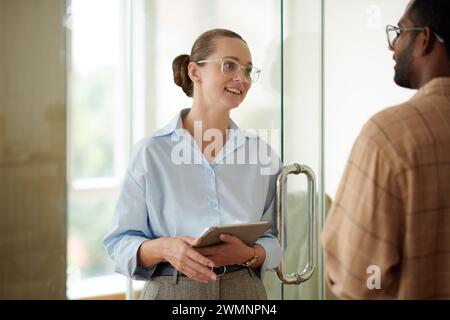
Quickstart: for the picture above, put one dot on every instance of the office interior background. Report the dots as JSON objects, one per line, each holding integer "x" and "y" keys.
{"x": 81, "y": 81}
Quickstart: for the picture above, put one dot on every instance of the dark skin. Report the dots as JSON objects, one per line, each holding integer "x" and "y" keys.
{"x": 419, "y": 57}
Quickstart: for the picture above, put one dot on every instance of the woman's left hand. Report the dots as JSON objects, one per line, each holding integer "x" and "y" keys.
{"x": 231, "y": 251}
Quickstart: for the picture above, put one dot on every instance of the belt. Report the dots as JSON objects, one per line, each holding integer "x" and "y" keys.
{"x": 166, "y": 269}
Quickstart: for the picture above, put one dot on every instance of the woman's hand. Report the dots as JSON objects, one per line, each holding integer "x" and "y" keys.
{"x": 231, "y": 251}
{"x": 179, "y": 253}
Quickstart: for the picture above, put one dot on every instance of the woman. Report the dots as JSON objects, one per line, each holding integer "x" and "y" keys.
{"x": 185, "y": 178}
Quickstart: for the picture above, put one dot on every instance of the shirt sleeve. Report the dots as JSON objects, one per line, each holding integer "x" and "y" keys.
{"x": 129, "y": 228}
{"x": 361, "y": 236}
{"x": 269, "y": 241}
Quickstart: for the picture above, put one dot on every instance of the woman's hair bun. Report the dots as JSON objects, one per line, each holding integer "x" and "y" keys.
{"x": 180, "y": 74}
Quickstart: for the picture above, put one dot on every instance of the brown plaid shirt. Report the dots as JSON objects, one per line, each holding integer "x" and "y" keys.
{"x": 392, "y": 208}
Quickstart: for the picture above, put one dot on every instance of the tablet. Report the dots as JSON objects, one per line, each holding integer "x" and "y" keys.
{"x": 247, "y": 232}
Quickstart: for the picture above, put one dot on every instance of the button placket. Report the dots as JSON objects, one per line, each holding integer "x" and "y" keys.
{"x": 212, "y": 197}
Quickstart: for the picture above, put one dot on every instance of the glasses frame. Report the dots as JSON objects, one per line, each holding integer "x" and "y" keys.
{"x": 400, "y": 30}
{"x": 255, "y": 71}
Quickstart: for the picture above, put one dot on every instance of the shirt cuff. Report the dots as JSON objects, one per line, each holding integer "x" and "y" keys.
{"x": 126, "y": 263}
{"x": 274, "y": 254}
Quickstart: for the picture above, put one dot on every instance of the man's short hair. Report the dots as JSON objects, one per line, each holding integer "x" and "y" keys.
{"x": 434, "y": 14}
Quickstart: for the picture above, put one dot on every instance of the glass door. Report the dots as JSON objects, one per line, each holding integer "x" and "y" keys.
{"x": 301, "y": 149}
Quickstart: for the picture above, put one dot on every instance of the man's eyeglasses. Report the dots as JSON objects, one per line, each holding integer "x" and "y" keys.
{"x": 393, "y": 33}
{"x": 231, "y": 68}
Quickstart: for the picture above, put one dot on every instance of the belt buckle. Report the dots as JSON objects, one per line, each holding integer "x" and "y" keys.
{"x": 221, "y": 274}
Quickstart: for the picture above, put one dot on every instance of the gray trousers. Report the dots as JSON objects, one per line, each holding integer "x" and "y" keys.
{"x": 239, "y": 285}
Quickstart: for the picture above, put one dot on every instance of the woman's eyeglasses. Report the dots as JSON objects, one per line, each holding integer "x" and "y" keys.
{"x": 231, "y": 68}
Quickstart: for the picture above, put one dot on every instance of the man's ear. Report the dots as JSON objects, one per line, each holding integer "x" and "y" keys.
{"x": 428, "y": 41}
{"x": 194, "y": 72}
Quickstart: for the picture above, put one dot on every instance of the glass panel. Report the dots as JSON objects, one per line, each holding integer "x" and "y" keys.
{"x": 356, "y": 66}
{"x": 301, "y": 133}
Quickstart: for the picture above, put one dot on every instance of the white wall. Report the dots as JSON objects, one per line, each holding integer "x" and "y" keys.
{"x": 358, "y": 74}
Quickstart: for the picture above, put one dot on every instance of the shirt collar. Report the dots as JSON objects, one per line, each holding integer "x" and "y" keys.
{"x": 437, "y": 86}
{"x": 175, "y": 126}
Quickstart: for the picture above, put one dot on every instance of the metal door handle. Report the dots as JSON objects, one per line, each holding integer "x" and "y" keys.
{"x": 297, "y": 278}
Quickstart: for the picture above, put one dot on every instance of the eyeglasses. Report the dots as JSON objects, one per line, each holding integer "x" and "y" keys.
{"x": 231, "y": 68}
{"x": 393, "y": 33}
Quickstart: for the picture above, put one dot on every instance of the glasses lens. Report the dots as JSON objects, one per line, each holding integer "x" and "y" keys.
{"x": 254, "y": 74}
{"x": 229, "y": 67}
{"x": 249, "y": 73}
{"x": 392, "y": 35}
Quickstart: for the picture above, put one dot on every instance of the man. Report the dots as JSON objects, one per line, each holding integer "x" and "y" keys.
{"x": 388, "y": 233}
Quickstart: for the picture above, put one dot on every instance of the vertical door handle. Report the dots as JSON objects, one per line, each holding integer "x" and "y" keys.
{"x": 297, "y": 278}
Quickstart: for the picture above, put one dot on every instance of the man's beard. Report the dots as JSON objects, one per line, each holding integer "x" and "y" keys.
{"x": 404, "y": 62}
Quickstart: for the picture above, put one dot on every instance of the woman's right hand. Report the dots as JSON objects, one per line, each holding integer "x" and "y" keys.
{"x": 180, "y": 254}
{"x": 178, "y": 251}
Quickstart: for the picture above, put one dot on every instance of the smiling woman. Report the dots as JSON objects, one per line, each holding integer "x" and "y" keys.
{"x": 227, "y": 48}
{"x": 152, "y": 237}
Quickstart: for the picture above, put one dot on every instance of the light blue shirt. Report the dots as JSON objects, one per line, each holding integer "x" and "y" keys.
{"x": 165, "y": 197}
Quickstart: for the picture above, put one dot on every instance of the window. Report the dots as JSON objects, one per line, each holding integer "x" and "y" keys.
{"x": 98, "y": 137}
